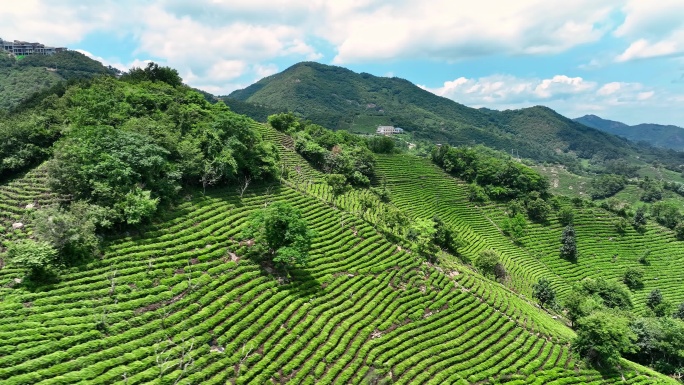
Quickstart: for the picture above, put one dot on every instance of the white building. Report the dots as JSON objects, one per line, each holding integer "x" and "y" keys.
{"x": 388, "y": 130}
{"x": 20, "y": 48}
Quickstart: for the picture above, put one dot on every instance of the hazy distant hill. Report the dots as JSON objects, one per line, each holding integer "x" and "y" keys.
{"x": 667, "y": 136}
{"x": 342, "y": 99}
{"x": 19, "y": 79}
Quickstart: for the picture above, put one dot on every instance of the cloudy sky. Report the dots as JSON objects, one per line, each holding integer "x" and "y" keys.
{"x": 621, "y": 60}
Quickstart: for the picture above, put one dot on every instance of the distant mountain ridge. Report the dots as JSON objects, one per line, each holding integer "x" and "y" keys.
{"x": 666, "y": 136}
{"x": 339, "y": 98}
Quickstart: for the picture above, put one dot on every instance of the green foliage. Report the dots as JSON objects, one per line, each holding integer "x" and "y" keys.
{"x": 153, "y": 73}
{"x": 568, "y": 249}
{"x": 566, "y": 215}
{"x": 130, "y": 146}
{"x": 477, "y": 193}
{"x": 383, "y": 193}
{"x": 639, "y": 220}
{"x": 332, "y": 152}
{"x": 515, "y": 227}
{"x": 653, "y": 190}
{"x": 446, "y": 237}
{"x": 280, "y": 232}
{"x": 660, "y": 343}
{"x": 538, "y": 210}
{"x": 602, "y": 338}
{"x": 679, "y": 313}
{"x": 666, "y": 213}
{"x": 393, "y": 219}
{"x": 422, "y": 233}
{"x": 633, "y": 278}
{"x": 71, "y": 231}
{"x": 106, "y": 166}
{"x": 338, "y": 183}
{"x": 607, "y": 185}
{"x": 543, "y": 292}
{"x": 657, "y": 303}
{"x": 577, "y": 305}
{"x": 679, "y": 231}
{"x": 285, "y": 122}
{"x": 611, "y": 294}
{"x": 501, "y": 178}
{"x": 620, "y": 225}
{"x": 487, "y": 262}
{"x": 381, "y": 144}
{"x": 36, "y": 257}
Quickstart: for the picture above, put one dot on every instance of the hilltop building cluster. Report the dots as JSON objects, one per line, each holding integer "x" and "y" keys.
{"x": 23, "y": 48}
{"x": 388, "y": 130}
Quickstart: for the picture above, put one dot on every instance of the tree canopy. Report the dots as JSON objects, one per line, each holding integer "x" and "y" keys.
{"x": 280, "y": 234}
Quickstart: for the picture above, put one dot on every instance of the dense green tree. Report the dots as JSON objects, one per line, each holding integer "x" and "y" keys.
{"x": 679, "y": 313}
{"x": 381, "y": 144}
{"x": 37, "y": 257}
{"x": 538, "y": 209}
{"x": 666, "y": 213}
{"x": 679, "y": 231}
{"x": 633, "y": 277}
{"x": 338, "y": 183}
{"x": 660, "y": 343}
{"x": 106, "y": 166}
{"x": 446, "y": 237}
{"x": 70, "y": 230}
{"x": 620, "y": 225}
{"x": 280, "y": 234}
{"x": 285, "y": 122}
{"x": 393, "y": 219}
{"x": 602, "y": 338}
{"x": 578, "y": 304}
{"x": 568, "y": 249}
{"x": 566, "y": 215}
{"x": 422, "y": 233}
{"x": 653, "y": 190}
{"x": 611, "y": 293}
{"x": 501, "y": 177}
{"x": 607, "y": 185}
{"x": 657, "y": 303}
{"x": 543, "y": 292}
{"x": 515, "y": 227}
{"x": 154, "y": 73}
{"x": 487, "y": 261}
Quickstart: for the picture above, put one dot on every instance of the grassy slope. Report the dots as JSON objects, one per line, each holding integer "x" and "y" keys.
{"x": 362, "y": 302}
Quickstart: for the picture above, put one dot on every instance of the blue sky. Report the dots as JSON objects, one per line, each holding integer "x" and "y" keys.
{"x": 621, "y": 60}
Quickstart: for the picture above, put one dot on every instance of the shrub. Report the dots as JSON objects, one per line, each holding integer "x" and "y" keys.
{"x": 543, "y": 292}
{"x": 566, "y": 215}
{"x": 486, "y": 261}
{"x": 37, "y": 257}
{"x": 633, "y": 278}
{"x": 602, "y": 338}
{"x": 568, "y": 249}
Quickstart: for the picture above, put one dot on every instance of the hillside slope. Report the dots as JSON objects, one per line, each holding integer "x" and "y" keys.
{"x": 338, "y": 98}
{"x": 178, "y": 303}
{"x": 666, "y": 136}
{"x": 19, "y": 79}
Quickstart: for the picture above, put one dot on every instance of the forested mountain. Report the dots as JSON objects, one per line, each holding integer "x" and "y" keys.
{"x": 22, "y": 78}
{"x": 338, "y": 98}
{"x": 666, "y": 136}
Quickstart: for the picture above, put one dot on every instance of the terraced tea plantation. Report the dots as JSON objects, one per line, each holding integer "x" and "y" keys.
{"x": 180, "y": 304}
